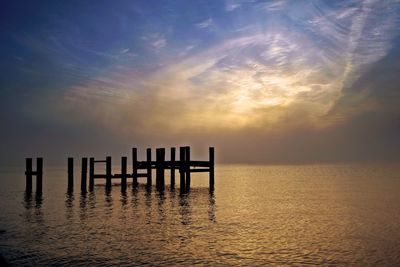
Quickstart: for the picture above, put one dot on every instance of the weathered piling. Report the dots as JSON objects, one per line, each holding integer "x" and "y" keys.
{"x": 124, "y": 161}
{"x": 108, "y": 172}
{"x": 91, "y": 174}
{"x": 160, "y": 161}
{"x": 70, "y": 174}
{"x": 39, "y": 175}
{"x": 149, "y": 174}
{"x": 84, "y": 175}
{"x": 187, "y": 167}
{"x": 211, "y": 166}
{"x": 28, "y": 174}
{"x": 182, "y": 158}
{"x": 134, "y": 167}
{"x": 172, "y": 178}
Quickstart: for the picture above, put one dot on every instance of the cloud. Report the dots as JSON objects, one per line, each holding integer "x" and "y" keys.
{"x": 156, "y": 41}
{"x": 205, "y": 24}
{"x": 304, "y": 80}
{"x": 159, "y": 43}
{"x": 262, "y": 80}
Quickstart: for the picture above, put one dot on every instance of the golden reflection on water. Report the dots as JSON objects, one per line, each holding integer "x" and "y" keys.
{"x": 257, "y": 215}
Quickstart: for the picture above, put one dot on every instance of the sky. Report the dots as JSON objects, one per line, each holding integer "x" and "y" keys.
{"x": 271, "y": 82}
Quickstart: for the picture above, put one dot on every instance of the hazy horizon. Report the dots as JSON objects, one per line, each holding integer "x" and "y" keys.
{"x": 267, "y": 82}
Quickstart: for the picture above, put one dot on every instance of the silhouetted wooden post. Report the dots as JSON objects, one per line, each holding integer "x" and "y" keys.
{"x": 172, "y": 167}
{"x": 28, "y": 174}
{"x": 160, "y": 160}
{"x": 134, "y": 167}
{"x": 84, "y": 175}
{"x": 39, "y": 175}
{"x": 182, "y": 168}
{"x": 211, "y": 159}
{"x": 149, "y": 174}
{"x": 70, "y": 174}
{"x": 157, "y": 168}
{"x": 187, "y": 169}
{"x": 108, "y": 172}
{"x": 91, "y": 174}
{"x": 124, "y": 161}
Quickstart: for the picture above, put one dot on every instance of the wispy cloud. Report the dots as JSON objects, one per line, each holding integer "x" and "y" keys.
{"x": 262, "y": 79}
{"x": 156, "y": 41}
{"x": 205, "y": 24}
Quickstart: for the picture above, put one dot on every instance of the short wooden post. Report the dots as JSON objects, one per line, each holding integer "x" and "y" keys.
{"x": 39, "y": 175}
{"x": 108, "y": 172}
{"x": 124, "y": 161}
{"x": 91, "y": 174}
{"x": 134, "y": 167}
{"x": 211, "y": 159}
{"x": 28, "y": 174}
{"x": 182, "y": 168}
{"x": 70, "y": 174}
{"x": 172, "y": 167}
{"x": 149, "y": 174}
{"x": 84, "y": 175}
{"x": 187, "y": 163}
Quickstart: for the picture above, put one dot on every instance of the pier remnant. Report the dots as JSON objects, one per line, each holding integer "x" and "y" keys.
{"x": 70, "y": 175}
{"x": 84, "y": 175}
{"x": 29, "y": 173}
{"x": 185, "y": 165}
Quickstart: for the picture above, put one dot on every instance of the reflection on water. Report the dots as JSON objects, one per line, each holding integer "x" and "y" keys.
{"x": 257, "y": 215}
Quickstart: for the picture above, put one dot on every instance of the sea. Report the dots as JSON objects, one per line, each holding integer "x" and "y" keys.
{"x": 257, "y": 215}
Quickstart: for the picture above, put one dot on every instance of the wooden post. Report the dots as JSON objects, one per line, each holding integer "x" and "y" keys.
{"x": 124, "y": 161}
{"x": 187, "y": 163}
{"x": 158, "y": 168}
{"x": 134, "y": 167}
{"x": 149, "y": 175}
{"x": 39, "y": 175}
{"x": 172, "y": 167}
{"x": 211, "y": 159}
{"x": 70, "y": 174}
{"x": 182, "y": 168}
{"x": 108, "y": 172}
{"x": 91, "y": 174}
{"x": 28, "y": 174}
{"x": 84, "y": 175}
{"x": 160, "y": 161}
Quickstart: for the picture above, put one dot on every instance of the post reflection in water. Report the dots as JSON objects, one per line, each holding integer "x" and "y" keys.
{"x": 82, "y": 206}
{"x": 185, "y": 209}
{"x": 69, "y": 204}
{"x": 142, "y": 221}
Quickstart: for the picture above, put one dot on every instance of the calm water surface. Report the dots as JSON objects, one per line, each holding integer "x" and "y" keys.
{"x": 257, "y": 215}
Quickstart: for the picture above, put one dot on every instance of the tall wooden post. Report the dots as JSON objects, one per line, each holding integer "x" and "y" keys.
{"x": 187, "y": 162}
{"x": 160, "y": 160}
{"x": 182, "y": 167}
{"x": 211, "y": 158}
{"x": 124, "y": 161}
{"x": 70, "y": 174}
{"x": 91, "y": 174}
{"x": 28, "y": 174}
{"x": 84, "y": 175}
{"x": 149, "y": 174}
{"x": 39, "y": 175}
{"x": 172, "y": 167}
{"x": 157, "y": 167}
{"x": 108, "y": 172}
{"x": 134, "y": 167}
